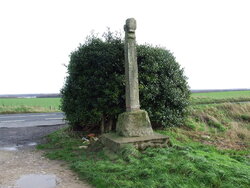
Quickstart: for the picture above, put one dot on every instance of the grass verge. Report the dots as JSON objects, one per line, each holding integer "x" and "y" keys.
{"x": 186, "y": 164}
{"x": 226, "y": 126}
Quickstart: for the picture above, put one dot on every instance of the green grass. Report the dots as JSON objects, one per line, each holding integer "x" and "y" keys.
{"x": 23, "y": 105}
{"x": 219, "y": 97}
{"x": 186, "y": 164}
{"x": 210, "y": 150}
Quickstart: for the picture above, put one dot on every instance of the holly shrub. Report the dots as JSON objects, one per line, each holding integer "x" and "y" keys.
{"x": 94, "y": 91}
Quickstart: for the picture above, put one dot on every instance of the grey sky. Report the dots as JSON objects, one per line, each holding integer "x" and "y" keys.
{"x": 209, "y": 38}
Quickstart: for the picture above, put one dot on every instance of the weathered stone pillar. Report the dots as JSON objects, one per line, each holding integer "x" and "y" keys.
{"x": 131, "y": 68}
{"x": 134, "y": 122}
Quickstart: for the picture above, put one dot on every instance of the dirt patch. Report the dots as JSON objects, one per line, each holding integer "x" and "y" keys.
{"x": 14, "y": 164}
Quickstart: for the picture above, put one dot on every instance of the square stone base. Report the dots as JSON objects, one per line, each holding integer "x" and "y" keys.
{"x": 135, "y": 123}
{"x": 114, "y": 142}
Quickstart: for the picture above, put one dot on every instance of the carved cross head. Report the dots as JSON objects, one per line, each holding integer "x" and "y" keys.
{"x": 130, "y": 27}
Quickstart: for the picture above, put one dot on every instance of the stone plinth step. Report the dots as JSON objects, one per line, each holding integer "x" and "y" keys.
{"x": 114, "y": 142}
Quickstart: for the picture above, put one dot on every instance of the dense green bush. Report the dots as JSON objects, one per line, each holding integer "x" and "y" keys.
{"x": 94, "y": 91}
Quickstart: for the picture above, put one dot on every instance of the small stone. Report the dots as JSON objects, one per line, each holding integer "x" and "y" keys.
{"x": 205, "y": 136}
{"x": 83, "y": 147}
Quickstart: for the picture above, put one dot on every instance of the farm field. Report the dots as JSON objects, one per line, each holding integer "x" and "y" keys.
{"x": 29, "y": 105}
{"x": 220, "y": 97}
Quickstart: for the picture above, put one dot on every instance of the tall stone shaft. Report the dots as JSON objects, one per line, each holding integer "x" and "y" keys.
{"x": 131, "y": 68}
{"x": 133, "y": 122}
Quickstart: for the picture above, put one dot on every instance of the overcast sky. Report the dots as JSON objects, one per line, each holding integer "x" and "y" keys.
{"x": 209, "y": 38}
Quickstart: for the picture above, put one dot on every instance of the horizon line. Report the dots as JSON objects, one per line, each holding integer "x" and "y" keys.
{"x": 192, "y": 90}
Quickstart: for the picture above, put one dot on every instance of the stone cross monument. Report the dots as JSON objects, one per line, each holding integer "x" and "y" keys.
{"x": 134, "y": 122}
{"x": 133, "y": 126}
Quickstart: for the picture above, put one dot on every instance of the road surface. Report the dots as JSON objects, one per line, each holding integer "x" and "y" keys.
{"x": 21, "y": 130}
{"x": 31, "y": 120}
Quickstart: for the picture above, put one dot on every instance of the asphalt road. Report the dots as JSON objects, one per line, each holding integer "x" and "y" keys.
{"x": 19, "y": 131}
{"x": 31, "y": 120}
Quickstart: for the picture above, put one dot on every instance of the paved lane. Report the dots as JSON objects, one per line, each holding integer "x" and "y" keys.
{"x": 18, "y": 131}
{"x": 31, "y": 120}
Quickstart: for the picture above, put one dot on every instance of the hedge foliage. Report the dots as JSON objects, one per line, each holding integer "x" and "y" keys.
{"x": 94, "y": 90}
